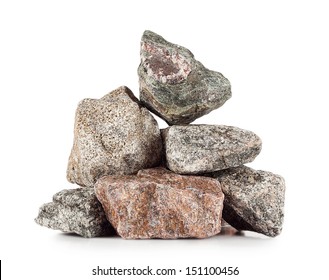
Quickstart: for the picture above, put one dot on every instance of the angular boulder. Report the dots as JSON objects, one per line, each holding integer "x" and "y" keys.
{"x": 75, "y": 211}
{"x": 174, "y": 85}
{"x": 194, "y": 149}
{"x": 112, "y": 135}
{"x": 157, "y": 203}
{"x": 254, "y": 199}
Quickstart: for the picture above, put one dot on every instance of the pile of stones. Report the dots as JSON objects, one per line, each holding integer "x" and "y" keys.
{"x": 139, "y": 182}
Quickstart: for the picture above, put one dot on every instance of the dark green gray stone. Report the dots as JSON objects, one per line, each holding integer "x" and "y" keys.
{"x": 254, "y": 199}
{"x": 174, "y": 85}
{"x": 75, "y": 211}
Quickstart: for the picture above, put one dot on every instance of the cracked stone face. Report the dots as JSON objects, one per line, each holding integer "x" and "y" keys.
{"x": 174, "y": 85}
{"x": 112, "y": 135}
{"x": 75, "y": 211}
{"x": 193, "y": 149}
{"x": 254, "y": 199}
{"x": 157, "y": 203}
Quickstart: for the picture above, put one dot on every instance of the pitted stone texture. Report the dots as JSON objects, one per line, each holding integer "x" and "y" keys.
{"x": 254, "y": 199}
{"x": 174, "y": 85}
{"x": 75, "y": 211}
{"x": 112, "y": 135}
{"x": 194, "y": 149}
{"x": 157, "y": 203}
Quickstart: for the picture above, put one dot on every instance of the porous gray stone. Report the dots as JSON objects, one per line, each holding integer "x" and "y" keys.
{"x": 174, "y": 85}
{"x": 193, "y": 149}
{"x": 157, "y": 203}
{"x": 112, "y": 135}
{"x": 75, "y": 211}
{"x": 254, "y": 199}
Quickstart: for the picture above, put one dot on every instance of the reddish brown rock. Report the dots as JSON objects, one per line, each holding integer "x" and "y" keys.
{"x": 157, "y": 203}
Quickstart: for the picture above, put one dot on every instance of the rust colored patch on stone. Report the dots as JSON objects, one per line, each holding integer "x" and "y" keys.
{"x": 163, "y": 65}
{"x": 157, "y": 203}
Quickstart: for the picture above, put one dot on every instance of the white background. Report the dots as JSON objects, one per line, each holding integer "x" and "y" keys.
{"x": 55, "y": 53}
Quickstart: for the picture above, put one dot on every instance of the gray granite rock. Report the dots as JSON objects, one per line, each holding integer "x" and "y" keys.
{"x": 157, "y": 203}
{"x": 254, "y": 199}
{"x": 75, "y": 211}
{"x": 174, "y": 85}
{"x": 194, "y": 149}
{"x": 112, "y": 135}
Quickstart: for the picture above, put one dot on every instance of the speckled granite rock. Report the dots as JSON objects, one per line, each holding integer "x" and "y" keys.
{"x": 160, "y": 204}
{"x": 254, "y": 199}
{"x": 75, "y": 211}
{"x": 174, "y": 85}
{"x": 112, "y": 135}
{"x": 196, "y": 149}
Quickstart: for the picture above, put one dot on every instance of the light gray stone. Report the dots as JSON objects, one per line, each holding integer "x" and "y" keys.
{"x": 174, "y": 85}
{"x": 254, "y": 199}
{"x": 75, "y": 211}
{"x": 194, "y": 149}
{"x": 157, "y": 203}
{"x": 112, "y": 135}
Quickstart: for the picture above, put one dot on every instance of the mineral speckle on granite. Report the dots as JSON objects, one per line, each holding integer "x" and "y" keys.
{"x": 194, "y": 149}
{"x": 174, "y": 85}
{"x": 254, "y": 199}
{"x": 112, "y": 135}
{"x": 157, "y": 203}
{"x": 75, "y": 211}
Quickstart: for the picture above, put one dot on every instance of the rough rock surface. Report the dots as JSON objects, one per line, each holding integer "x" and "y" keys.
{"x": 112, "y": 135}
{"x": 254, "y": 199}
{"x": 174, "y": 85}
{"x": 157, "y": 203}
{"x": 196, "y": 149}
{"x": 75, "y": 211}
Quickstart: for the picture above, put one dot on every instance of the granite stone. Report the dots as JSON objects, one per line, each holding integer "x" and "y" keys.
{"x": 174, "y": 85}
{"x": 75, "y": 211}
{"x": 193, "y": 149}
{"x": 157, "y": 203}
{"x": 254, "y": 199}
{"x": 112, "y": 135}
